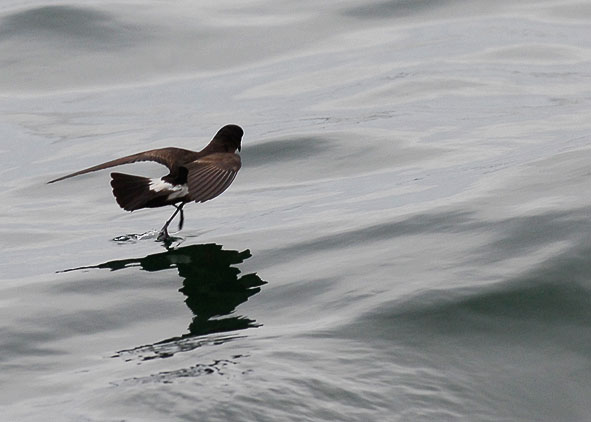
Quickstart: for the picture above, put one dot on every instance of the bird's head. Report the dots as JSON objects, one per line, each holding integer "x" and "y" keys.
{"x": 229, "y": 138}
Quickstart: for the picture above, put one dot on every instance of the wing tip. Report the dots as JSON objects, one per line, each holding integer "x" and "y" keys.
{"x": 59, "y": 179}
{"x": 55, "y": 180}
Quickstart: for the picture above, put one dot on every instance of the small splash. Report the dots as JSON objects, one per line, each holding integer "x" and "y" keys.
{"x": 149, "y": 235}
{"x": 133, "y": 237}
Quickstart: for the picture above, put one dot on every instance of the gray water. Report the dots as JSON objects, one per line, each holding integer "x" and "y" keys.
{"x": 408, "y": 238}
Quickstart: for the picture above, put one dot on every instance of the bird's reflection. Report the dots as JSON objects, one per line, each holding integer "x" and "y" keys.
{"x": 213, "y": 287}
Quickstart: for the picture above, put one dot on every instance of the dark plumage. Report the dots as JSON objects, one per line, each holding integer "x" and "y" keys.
{"x": 194, "y": 176}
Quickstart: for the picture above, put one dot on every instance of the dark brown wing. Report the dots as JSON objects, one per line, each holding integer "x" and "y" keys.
{"x": 170, "y": 157}
{"x": 211, "y": 175}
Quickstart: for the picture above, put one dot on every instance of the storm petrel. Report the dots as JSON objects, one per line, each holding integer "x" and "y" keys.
{"x": 194, "y": 176}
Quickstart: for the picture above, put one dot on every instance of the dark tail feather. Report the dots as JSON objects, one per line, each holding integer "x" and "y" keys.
{"x": 131, "y": 192}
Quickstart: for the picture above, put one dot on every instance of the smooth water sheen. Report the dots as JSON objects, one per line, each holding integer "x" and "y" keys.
{"x": 409, "y": 237}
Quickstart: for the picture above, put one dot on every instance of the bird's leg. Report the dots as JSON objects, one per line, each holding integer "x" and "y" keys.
{"x": 182, "y": 217}
{"x": 163, "y": 235}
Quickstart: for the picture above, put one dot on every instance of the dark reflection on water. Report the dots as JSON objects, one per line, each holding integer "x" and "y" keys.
{"x": 79, "y": 27}
{"x": 396, "y": 8}
{"x": 548, "y": 304}
{"x": 213, "y": 288}
{"x": 286, "y": 150}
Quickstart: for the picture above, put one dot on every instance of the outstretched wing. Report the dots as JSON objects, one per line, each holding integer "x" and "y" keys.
{"x": 209, "y": 176}
{"x": 170, "y": 157}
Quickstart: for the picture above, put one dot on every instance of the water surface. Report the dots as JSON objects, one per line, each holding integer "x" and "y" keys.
{"x": 408, "y": 237}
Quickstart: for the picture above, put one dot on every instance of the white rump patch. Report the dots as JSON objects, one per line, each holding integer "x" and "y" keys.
{"x": 174, "y": 191}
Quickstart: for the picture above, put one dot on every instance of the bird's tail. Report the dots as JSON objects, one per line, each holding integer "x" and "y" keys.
{"x": 131, "y": 192}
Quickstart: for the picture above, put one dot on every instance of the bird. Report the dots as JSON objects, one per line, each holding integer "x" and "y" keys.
{"x": 193, "y": 176}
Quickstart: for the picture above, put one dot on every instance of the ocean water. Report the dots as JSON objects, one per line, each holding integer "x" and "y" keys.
{"x": 408, "y": 239}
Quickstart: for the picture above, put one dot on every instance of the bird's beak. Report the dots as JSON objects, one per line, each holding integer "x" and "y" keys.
{"x": 239, "y": 148}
